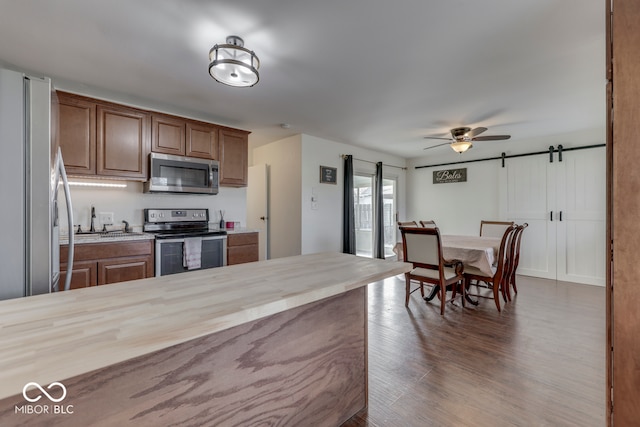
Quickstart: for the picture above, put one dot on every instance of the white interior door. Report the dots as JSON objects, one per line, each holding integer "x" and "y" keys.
{"x": 564, "y": 204}
{"x": 581, "y": 207}
{"x": 258, "y": 205}
{"x": 528, "y": 195}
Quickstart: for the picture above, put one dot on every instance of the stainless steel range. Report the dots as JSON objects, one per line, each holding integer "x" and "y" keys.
{"x": 184, "y": 241}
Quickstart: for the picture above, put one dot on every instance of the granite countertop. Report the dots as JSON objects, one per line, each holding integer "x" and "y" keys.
{"x": 56, "y": 336}
{"x": 241, "y": 230}
{"x": 118, "y": 236}
{"x": 114, "y": 236}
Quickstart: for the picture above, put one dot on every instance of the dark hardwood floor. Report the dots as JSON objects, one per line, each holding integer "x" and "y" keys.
{"x": 541, "y": 362}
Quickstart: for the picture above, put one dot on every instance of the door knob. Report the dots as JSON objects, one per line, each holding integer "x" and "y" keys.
{"x": 263, "y": 218}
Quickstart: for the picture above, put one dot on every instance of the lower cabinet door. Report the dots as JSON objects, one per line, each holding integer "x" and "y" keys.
{"x": 85, "y": 274}
{"x": 122, "y": 270}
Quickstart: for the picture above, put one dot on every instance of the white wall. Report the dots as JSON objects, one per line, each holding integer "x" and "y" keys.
{"x": 322, "y": 227}
{"x": 283, "y": 158}
{"x": 294, "y": 165}
{"x": 458, "y": 208}
{"x": 128, "y": 204}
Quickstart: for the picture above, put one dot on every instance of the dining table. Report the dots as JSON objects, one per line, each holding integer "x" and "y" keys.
{"x": 473, "y": 251}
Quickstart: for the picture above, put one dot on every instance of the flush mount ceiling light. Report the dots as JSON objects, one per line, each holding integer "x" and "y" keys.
{"x": 233, "y": 64}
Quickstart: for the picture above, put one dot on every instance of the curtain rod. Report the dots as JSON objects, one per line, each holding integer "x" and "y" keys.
{"x": 551, "y": 150}
{"x": 368, "y": 161}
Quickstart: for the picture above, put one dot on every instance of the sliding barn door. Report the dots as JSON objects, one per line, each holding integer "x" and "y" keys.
{"x": 528, "y": 195}
{"x": 564, "y": 204}
{"x": 581, "y": 200}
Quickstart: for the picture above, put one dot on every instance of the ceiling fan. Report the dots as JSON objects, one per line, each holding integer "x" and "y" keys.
{"x": 462, "y": 138}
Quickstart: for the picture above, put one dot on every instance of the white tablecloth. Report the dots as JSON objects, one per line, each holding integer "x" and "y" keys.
{"x": 475, "y": 251}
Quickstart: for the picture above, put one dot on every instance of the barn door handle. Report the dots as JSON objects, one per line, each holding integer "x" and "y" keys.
{"x": 560, "y": 215}
{"x": 551, "y": 215}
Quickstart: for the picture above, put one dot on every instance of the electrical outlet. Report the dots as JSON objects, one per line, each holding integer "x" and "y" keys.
{"x": 106, "y": 218}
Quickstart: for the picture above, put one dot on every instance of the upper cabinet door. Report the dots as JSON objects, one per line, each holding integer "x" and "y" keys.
{"x": 122, "y": 142}
{"x": 168, "y": 135}
{"x": 202, "y": 140}
{"x": 234, "y": 153}
{"x": 77, "y": 134}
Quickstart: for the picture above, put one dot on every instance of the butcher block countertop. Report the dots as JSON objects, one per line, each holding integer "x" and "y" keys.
{"x": 52, "y": 337}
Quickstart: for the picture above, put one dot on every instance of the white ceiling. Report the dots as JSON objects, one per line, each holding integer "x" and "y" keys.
{"x": 372, "y": 73}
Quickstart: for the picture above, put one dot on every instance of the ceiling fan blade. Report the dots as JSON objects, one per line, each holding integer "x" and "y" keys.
{"x": 476, "y": 131}
{"x": 439, "y": 145}
{"x": 436, "y": 137}
{"x": 491, "y": 138}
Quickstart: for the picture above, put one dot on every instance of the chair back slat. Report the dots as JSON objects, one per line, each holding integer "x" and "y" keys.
{"x": 407, "y": 224}
{"x": 430, "y": 223}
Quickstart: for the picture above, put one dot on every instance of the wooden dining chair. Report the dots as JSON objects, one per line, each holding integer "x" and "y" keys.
{"x": 494, "y": 228}
{"x": 407, "y": 224}
{"x": 496, "y": 282}
{"x": 423, "y": 248}
{"x": 514, "y": 260}
{"x": 430, "y": 223}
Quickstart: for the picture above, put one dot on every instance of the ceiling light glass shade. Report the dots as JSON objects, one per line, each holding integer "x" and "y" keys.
{"x": 233, "y": 64}
{"x": 461, "y": 146}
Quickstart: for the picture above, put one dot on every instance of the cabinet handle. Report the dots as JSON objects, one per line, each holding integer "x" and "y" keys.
{"x": 551, "y": 215}
{"x": 560, "y": 215}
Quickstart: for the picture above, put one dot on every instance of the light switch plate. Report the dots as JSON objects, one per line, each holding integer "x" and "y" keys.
{"x": 106, "y": 218}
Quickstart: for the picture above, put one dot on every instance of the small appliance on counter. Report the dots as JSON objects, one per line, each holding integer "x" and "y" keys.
{"x": 184, "y": 241}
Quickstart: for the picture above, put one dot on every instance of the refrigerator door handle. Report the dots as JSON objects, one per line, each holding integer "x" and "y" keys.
{"x": 67, "y": 196}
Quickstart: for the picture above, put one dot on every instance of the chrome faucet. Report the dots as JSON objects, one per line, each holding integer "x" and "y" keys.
{"x": 92, "y": 229}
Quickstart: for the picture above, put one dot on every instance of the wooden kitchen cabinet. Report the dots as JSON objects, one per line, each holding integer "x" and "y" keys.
{"x": 184, "y": 137}
{"x": 202, "y": 140}
{"x": 122, "y": 142}
{"x": 77, "y": 134}
{"x": 100, "y": 138}
{"x": 104, "y": 263}
{"x": 124, "y": 269}
{"x": 103, "y": 139}
{"x": 84, "y": 274}
{"x": 168, "y": 134}
{"x": 234, "y": 157}
{"x": 242, "y": 247}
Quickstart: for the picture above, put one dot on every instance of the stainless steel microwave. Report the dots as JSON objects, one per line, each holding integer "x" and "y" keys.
{"x": 177, "y": 174}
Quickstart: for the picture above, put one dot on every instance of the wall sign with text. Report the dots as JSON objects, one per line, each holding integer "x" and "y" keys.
{"x": 328, "y": 175}
{"x": 450, "y": 175}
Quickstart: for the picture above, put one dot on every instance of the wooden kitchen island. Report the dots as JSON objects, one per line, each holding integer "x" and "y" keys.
{"x": 278, "y": 342}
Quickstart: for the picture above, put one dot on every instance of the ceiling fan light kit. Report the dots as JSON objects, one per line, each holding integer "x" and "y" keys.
{"x": 461, "y": 146}
{"x": 233, "y": 64}
{"x": 462, "y": 138}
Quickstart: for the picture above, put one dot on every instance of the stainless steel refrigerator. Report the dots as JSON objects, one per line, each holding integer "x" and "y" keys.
{"x": 31, "y": 171}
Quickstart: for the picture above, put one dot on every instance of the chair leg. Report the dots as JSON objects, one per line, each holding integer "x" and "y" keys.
{"x": 422, "y": 289}
{"x": 463, "y": 293}
{"x": 443, "y": 299}
{"x": 513, "y": 283}
{"x": 504, "y": 290}
{"x": 496, "y": 295}
{"x": 408, "y": 289}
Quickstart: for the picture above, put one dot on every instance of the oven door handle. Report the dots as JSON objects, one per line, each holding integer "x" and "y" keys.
{"x": 181, "y": 239}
